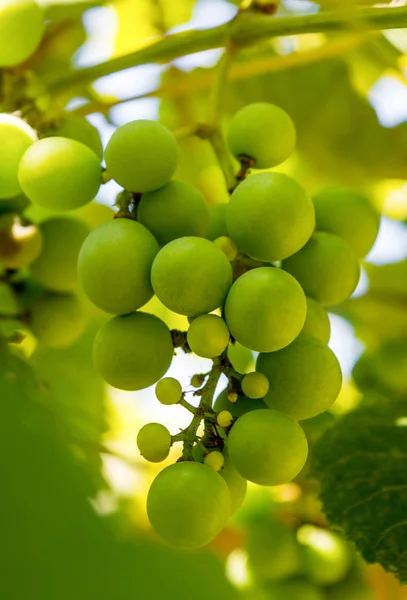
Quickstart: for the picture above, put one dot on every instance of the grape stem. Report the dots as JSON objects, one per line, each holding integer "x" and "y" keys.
{"x": 187, "y": 405}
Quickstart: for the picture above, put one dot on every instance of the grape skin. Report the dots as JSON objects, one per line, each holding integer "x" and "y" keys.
{"x": 16, "y": 137}
{"x": 208, "y": 336}
{"x": 326, "y": 267}
{"x": 56, "y": 266}
{"x": 263, "y": 132}
{"x": 174, "y": 210}
{"x": 239, "y": 408}
{"x": 123, "y": 251}
{"x": 20, "y": 243}
{"x": 142, "y": 155}
{"x": 217, "y": 222}
{"x": 168, "y": 391}
{"x": 305, "y": 377}
{"x": 317, "y": 322}
{"x": 255, "y": 385}
{"x": 188, "y": 504}
{"x": 267, "y": 447}
{"x": 265, "y": 310}
{"x": 215, "y": 460}
{"x": 57, "y": 320}
{"x": 154, "y": 442}
{"x": 79, "y": 129}
{"x": 59, "y": 174}
{"x": 133, "y": 351}
{"x": 237, "y": 485}
{"x": 21, "y": 30}
{"x": 191, "y": 276}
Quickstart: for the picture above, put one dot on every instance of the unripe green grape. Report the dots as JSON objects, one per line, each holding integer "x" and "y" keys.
{"x": 238, "y": 408}
{"x": 233, "y": 397}
{"x": 123, "y": 251}
{"x": 327, "y": 268}
{"x": 59, "y": 174}
{"x": 20, "y": 244}
{"x": 191, "y": 276}
{"x": 188, "y": 504}
{"x": 168, "y": 391}
{"x": 175, "y": 210}
{"x": 263, "y": 132}
{"x": 18, "y": 204}
{"x": 79, "y": 129}
{"x": 21, "y": 30}
{"x": 240, "y": 357}
{"x": 197, "y": 380}
{"x": 154, "y": 442}
{"x": 57, "y": 320}
{"x": 270, "y": 217}
{"x": 224, "y": 418}
{"x": 305, "y": 377}
{"x": 56, "y": 266}
{"x": 16, "y": 136}
{"x": 350, "y": 215}
{"x": 296, "y": 590}
{"x": 215, "y": 460}
{"x": 237, "y": 485}
{"x": 265, "y": 310}
{"x": 217, "y": 221}
{"x": 267, "y": 447}
{"x": 326, "y": 557}
{"x": 142, "y": 156}
{"x": 208, "y": 336}
{"x": 317, "y": 322}
{"x": 228, "y": 247}
{"x": 255, "y": 385}
{"x": 133, "y": 351}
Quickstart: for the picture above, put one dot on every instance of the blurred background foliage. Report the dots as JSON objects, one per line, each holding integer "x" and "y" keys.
{"x": 73, "y": 503}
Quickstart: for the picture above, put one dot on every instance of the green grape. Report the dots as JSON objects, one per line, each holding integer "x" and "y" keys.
{"x": 325, "y": 555}
{"x": 267, "y": 447}
{"x": 240, "y": 407}
{"x": 255, "y": 385}
{"x": 208, "y": 336}
{"x": 57, "y": 320}
{"x": 237, "y": 485}
{"x": 327, "y": 268}
{"x": 317, "y": 322}
{"x": 265, "y": 310}
{"x": 305, "y": 377}
{"x": 270, "y": 217}
{"x": 191, "y": 276}
{"x": 188, "y": 504}
{"x": 16, "y": 136}
{"x": 142, "y": 156}
{"x": 18, "y": 204}
{"x": 154, "y": 442}
{"x": 215, "y": 460}
{"x": 123, "y": 251}
{"x": 133, "y": 351}
{"x": 350, "y": 215}
{"x": 168, "y": 391}
{"x": 228, "y": 247}
{"x": 296, "y": 590}
{"x": 173, "y": 211}
{"x": 56, "y": 266}
{"x": 21, "y": 30}
{"x": 217, "y": 221}
{"x": 79, "y": 129}
{"x": 20, "y": 244}
{"x": 9, "y": 301}
{"x": 224, "y": 418}
{"x": 240, "y": 357}
{"x": 263, "y": 132}
{"x": 59, "y": 174}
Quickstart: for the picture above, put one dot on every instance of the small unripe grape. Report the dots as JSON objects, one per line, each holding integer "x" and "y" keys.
{"x": 59, "y": 174}
{"x": 224, "y": 418}
{"x": 227, "y": 246}
{"x": 326, "y": 558}
{"x": 267, "y": 447}
{"x": 350, "y": 215}
{"x": 270, "y": 216}
{"x": 168, "y": 391}
{"x": 123, "y": 251}
{"x": 265, "y": 310}
{"x": 142, "y": 156}
{"x": 317, "y": 322}
{"x": 208, "y": 336}
{"x": 191, "y": 276}
{"x": 57, "y": 320}
{"x": 16, "y": 136}
{"x": 20, "y": 244}
{"x": 215, "y": 460}
{"x": 175, "y": 210}
{"x": 133, "y": 351}
{"x": 263, "y": 132}
{"x": 255, "y": 385}
{"x": 217, "y": 221}
{"x": 327, "y": 268}
{"x": 188, "y": 504}
{"x": 197, "y": 380}
{"x": 232, "y": 397}
{"x": 237, "y": 485}
{"x": 154, "y": 442}
{"x": 241, "y": 406}
{"x": 21, "y": 30}
{"x": 305, "y": 377}
{"x": 79, "y": 129}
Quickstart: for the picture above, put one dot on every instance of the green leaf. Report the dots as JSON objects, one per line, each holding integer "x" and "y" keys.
{"x": 361, "y": 466}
